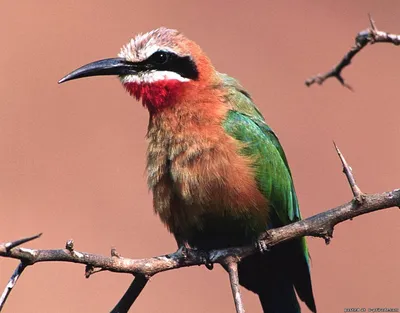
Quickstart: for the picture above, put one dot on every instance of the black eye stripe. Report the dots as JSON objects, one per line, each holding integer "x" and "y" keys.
{"x": 159, "y": 57}
{"x": 169, "y": 61}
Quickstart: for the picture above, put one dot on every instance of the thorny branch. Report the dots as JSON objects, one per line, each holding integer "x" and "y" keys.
{"x": 320, "y": 225}
{"x": 369, "y": 36}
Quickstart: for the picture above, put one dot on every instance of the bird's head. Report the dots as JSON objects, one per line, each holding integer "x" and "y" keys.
{"x": 158, "y": 67}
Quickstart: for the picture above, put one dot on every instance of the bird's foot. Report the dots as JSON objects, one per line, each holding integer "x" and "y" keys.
{"x": 262, "y": 243}
{"x": 187, "y": 251}
{"x": 262, "y": 246}
{"x": 205, "y": 258}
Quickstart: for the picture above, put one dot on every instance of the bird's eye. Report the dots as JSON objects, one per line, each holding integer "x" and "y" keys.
{"x": 160, "y": 57}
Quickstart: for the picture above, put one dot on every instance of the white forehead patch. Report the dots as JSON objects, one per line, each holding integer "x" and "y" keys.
{"x": 152, "y": 76}
{"x": 130, "y": 54}
{"x": 143, "y": 46}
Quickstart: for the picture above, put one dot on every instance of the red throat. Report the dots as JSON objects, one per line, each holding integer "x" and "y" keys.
{"x": 157, "y": 95}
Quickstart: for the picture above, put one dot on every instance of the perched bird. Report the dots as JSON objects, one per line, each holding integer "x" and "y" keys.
{"x": 218, "y": 173}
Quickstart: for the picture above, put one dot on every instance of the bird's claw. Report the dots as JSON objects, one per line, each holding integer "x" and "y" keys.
{"x": 205, "y": 258}
{"x": 184, "y": 250}
{"x": 262, "y": 246}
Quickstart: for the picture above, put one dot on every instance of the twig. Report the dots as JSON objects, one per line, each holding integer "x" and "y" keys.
{"x": 320, "y": 225}
{"x": 131, "y": 294}
{"x": 234, "y": 279}
{"x": 369, "y": 36}
{"x": 11, "y": 283}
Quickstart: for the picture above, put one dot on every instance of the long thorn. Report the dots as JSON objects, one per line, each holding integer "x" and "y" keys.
{"x": 349, "y": 175}
{"x": 372, "y": 23}
{"x": 11, "y": 283}
{"x": 234, "y": 279}
{"x": 13, "y": 244}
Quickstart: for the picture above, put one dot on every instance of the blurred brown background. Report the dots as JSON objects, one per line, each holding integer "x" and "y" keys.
{"x": 72, "y": 156}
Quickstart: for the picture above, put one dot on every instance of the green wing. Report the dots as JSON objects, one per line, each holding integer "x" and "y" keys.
{"x": 245, "y": 123}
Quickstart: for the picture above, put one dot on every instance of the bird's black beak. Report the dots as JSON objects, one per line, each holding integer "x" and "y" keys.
{"x": 113, "y": 66}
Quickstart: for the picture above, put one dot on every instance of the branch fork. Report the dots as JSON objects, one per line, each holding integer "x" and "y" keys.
{"x": 369, "y": 36}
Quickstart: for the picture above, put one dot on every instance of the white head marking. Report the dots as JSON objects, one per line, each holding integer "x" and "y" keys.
{"x": 142, "y": 47}
{"x": 153, "y": 76}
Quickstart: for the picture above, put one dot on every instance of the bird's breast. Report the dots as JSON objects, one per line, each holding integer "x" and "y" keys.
{"x": 199, "y": 178}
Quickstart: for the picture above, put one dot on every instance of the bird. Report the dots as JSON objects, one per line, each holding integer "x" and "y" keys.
{"x": 218, "y": 173}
